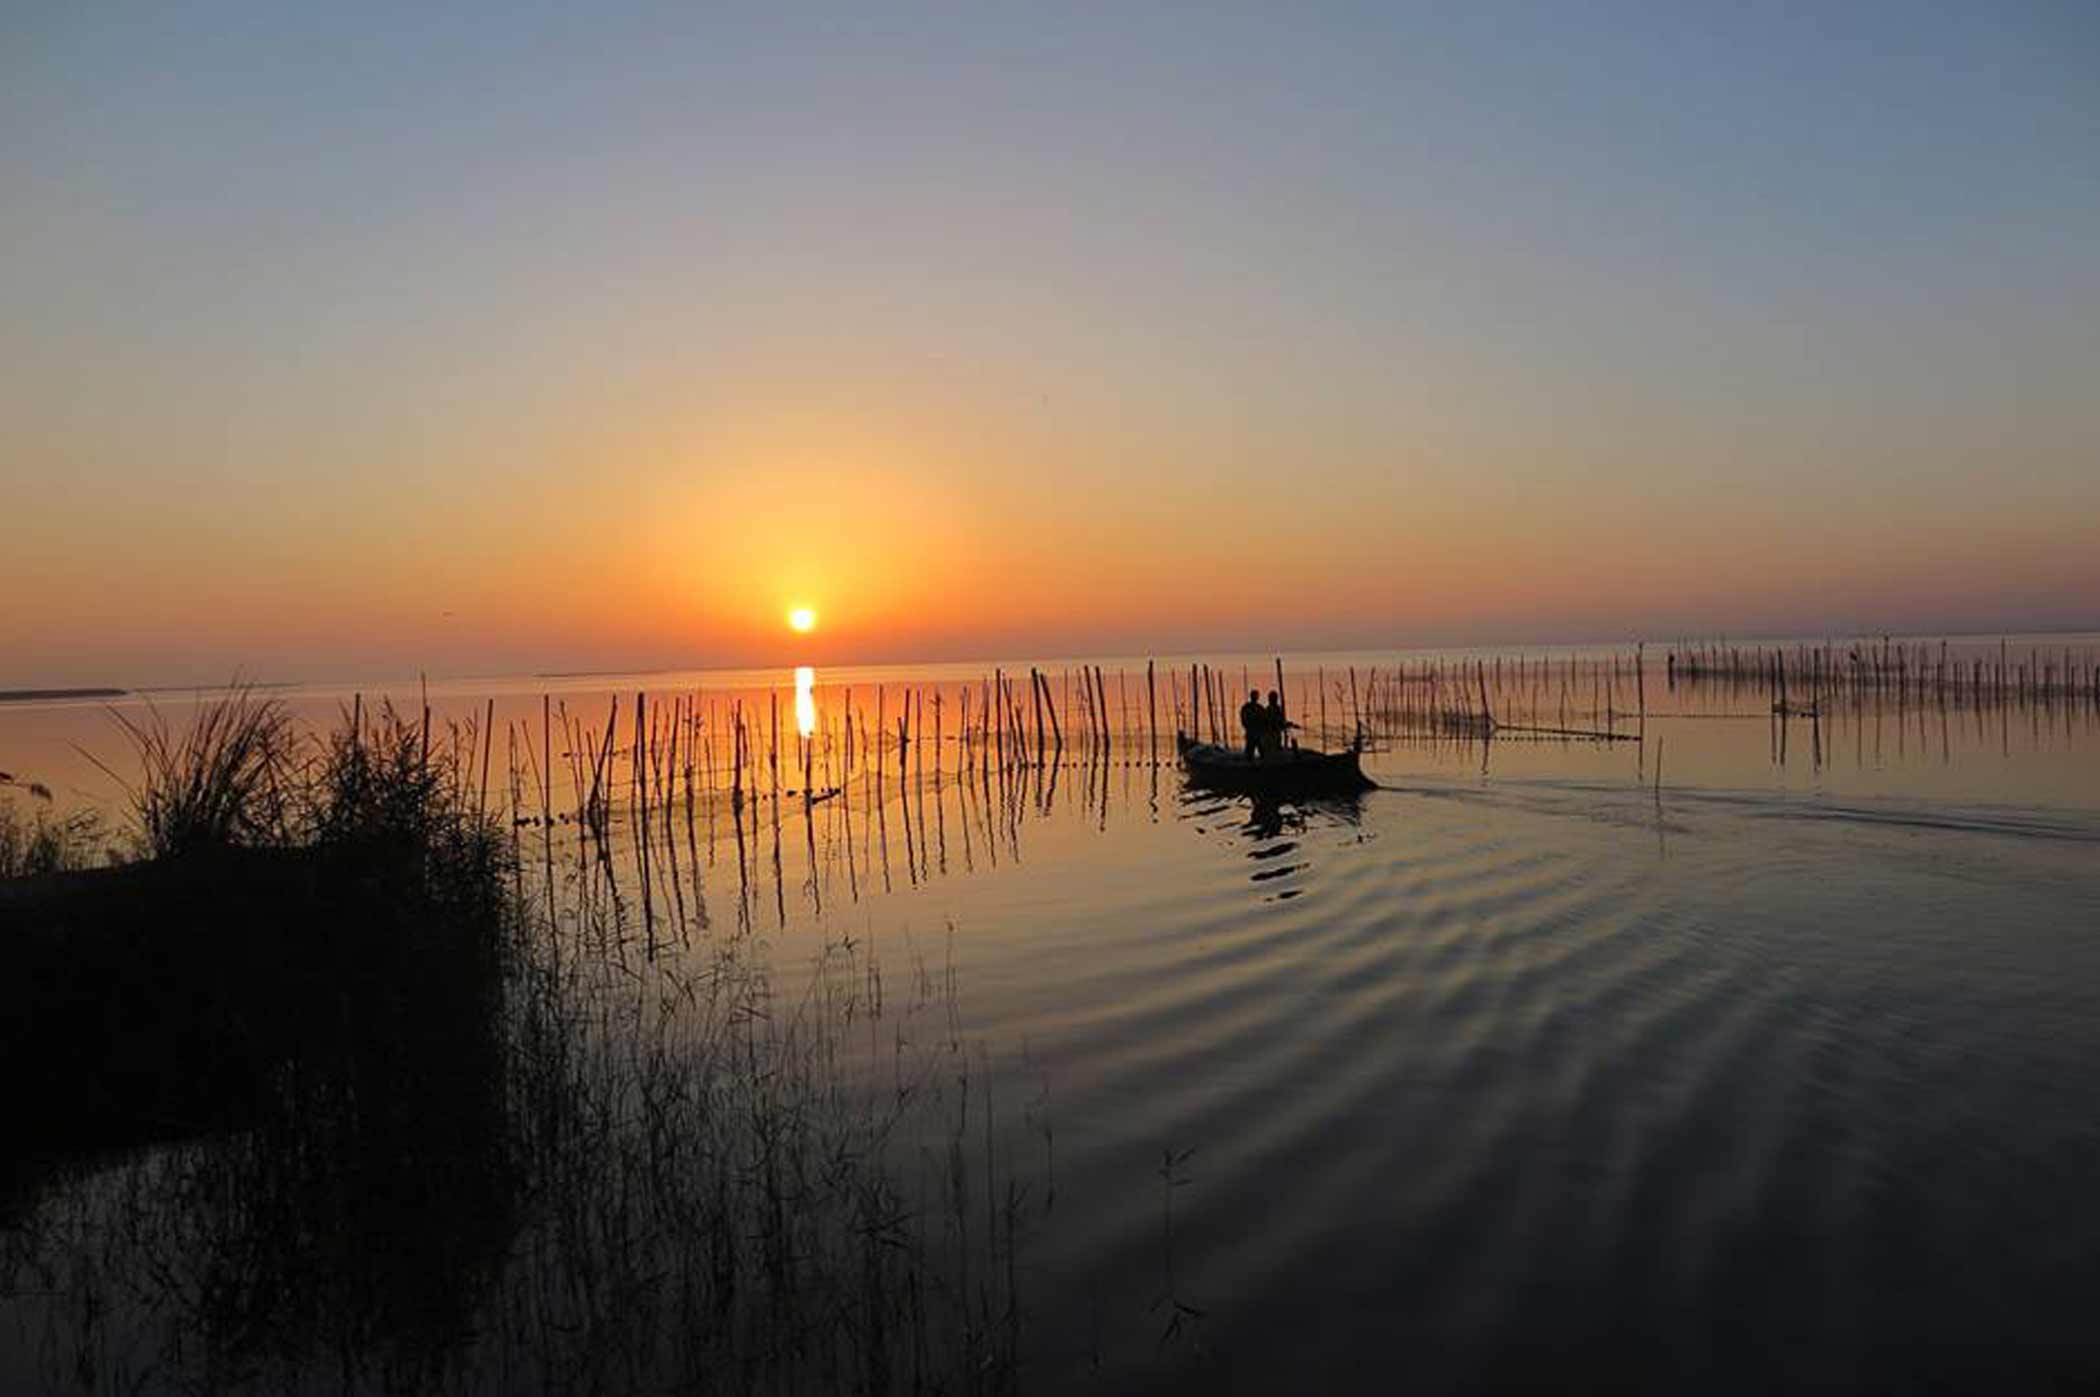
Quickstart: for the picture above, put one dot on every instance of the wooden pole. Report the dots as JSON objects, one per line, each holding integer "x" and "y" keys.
{"x": 1035, "y": 691}
{"x": 999, "y": 734}
{"x": 1057, "y": 733}
{"x": 488, "y": 739}
{"x": 1151, "y": 711}
{"x": 1101, "y": 700}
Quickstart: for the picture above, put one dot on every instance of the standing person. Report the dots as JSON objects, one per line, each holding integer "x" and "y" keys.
{"x": 1252, "y": 720}
{"x": 1274, "y": 724}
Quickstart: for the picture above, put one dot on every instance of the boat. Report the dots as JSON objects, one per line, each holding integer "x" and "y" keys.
{"x": 1292, "y": 771}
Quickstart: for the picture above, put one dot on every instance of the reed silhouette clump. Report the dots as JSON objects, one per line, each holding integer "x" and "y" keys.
{"x": 299, "y": 991}
{"x": 420, "y": 1115}
{"x": 293, "y": 912}
{"x": 227, "y": 780}
{"x": 42, "y": 842}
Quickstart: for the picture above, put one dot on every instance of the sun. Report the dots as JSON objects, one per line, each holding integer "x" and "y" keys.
{"x": 802, "y": 620}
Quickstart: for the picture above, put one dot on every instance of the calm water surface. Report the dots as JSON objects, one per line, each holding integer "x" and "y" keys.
{"x": 1522, "y": 1066}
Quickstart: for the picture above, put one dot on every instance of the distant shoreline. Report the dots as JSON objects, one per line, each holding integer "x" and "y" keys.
{"x": 33, "y": 695}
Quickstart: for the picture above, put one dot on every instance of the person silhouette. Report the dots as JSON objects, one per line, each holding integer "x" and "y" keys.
{"x": 1253, "y": 719}
{"x": 1274, "y": 724}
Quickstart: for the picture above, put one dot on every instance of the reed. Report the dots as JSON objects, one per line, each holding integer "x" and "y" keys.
{"x": 42, "y": 841}
{"x": 224, "y": 781}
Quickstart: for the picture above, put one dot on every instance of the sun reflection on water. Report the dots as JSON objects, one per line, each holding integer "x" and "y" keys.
{"x": 805, "y": 699}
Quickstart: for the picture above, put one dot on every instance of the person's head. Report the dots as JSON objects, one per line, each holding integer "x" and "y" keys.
{"x": 1254, "y": 696}
{"x": 1275, "y": 698}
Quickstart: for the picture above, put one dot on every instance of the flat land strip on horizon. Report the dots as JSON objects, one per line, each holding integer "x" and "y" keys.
{"x": 32, "y": 695}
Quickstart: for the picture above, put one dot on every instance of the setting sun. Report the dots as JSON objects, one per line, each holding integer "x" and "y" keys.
{"x": 802, "y": 620}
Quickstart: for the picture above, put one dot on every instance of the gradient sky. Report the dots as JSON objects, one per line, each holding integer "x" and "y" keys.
{"x": 368, "y": 339}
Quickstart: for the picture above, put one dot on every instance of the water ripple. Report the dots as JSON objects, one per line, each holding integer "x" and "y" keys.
{"x": 1524, "y": 1079}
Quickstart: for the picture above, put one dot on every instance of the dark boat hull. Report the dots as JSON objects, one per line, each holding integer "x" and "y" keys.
{"x": 1296, "y": 771}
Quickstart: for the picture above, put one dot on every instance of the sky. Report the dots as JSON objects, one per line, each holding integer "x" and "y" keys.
{"x": 368, "y": 340}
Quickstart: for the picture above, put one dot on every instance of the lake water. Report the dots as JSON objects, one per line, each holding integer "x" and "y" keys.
{"x": 1535, "y": 1063}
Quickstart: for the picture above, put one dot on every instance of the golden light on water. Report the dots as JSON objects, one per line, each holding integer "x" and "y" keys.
{"x": 805, "y": 696}
{"x": 802, "y": 620}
